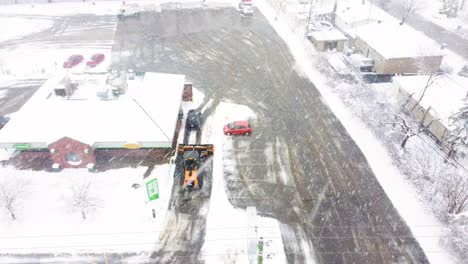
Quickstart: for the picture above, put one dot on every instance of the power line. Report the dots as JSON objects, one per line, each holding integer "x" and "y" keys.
{"x": 244, "y": 253}
{"x": 151, "y": 232}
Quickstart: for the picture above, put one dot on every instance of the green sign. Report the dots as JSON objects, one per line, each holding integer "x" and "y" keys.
{"x": 152, "y": 189}
{"x": 21, "y": 146}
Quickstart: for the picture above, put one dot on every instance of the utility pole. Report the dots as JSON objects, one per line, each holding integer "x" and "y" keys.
{"x": 335, "y": 7}
{"x": 308, "y": 18}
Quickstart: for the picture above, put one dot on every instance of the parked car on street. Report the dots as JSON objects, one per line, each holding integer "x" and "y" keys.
{"x": 96, "y": 59}
{"x": 73, "y": 61}
{"x": 193, "y": 119}
{"x": 238, "y": 128}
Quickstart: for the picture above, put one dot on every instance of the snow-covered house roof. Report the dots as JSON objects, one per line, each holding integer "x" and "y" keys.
{"x": 444, "y": 96}
{"x": 327, "y": 35}
{"x": 392, "y": 40}
{"x": 383, "y": 32}
{"x": 147, "y": 113}
{"x": 349, "y": 16}
{"x": 358, "y": 15}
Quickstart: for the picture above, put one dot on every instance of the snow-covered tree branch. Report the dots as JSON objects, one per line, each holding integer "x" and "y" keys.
{"x": 449, "y": 8}
{"x": 407, "y": 128}
{"x": 456, "y": 193}
{"x": 408, "y": 8}
{"x": 84, "y": 199}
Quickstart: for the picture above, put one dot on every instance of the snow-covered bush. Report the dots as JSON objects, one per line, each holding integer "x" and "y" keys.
{"x": 455, "y": 192}
{"x": 455, "y": 236}
{"x": 83, "y": 198}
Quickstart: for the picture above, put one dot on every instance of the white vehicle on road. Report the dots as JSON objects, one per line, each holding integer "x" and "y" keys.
{"x": 246, "y": 7}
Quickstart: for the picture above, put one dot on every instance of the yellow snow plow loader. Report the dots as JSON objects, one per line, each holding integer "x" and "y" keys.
{"x": 193, "y": 158}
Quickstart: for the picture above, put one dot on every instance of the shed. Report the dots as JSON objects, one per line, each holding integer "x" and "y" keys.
{"x": 328, "y": 39}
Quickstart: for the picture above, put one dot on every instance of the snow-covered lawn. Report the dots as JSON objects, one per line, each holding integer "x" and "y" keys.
{"x": 230, "y": 230}
{"x": 22, "y": 27}
{"x": 403, "y": 195}
{"x": 121, "y": 221}
{"x": 65, "y": 8}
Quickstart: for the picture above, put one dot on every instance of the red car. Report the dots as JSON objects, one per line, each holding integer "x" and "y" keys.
{"x": 73, "y": 61}
{"x": 95, "y": 60}
{"x": 238, "y": 128}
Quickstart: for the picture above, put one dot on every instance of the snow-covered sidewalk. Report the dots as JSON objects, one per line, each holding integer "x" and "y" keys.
{"x": 404, "y": 197}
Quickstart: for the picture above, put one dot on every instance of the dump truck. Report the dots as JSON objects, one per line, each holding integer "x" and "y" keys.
{"x": 193, "y": 158}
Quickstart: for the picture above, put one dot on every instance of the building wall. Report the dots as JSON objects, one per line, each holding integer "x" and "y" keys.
{"x": 131, "y": 155}
{"x": 322, "y": 45}
{"x": 319, "y": 45}
{"x": 187, "y": 95}
{"x": 361, "y": 46}
{"x": 32, "y": 160}
{"x": 341, "y": 45}
{"x": 64, "y": 150}
{"x": 419, "y": 65}
{"x": 416, "y": 65}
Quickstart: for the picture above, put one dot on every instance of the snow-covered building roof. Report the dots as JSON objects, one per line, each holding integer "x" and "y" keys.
{"x": 444, "y": 96}
{"x": 349, "y": 16}
{"x": 383, "y": 32}
{"x": 354, "y": 15}
{"x": 392, "y": 40}
{"x": 146, "y": 113}
{"x": 327, "y": 35}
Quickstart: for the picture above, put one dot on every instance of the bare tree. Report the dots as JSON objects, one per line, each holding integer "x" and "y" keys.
{"x": 12, "y": 191}
{"x": 408, "y": 8}
{"x": 433, "y": 77}
{"x": 429, "y": 164}
{"x": 449, "y": 8}
{"x": 456, "y": 193}
{"x": 407, "y": 128}
{"x": 83, "y": 198}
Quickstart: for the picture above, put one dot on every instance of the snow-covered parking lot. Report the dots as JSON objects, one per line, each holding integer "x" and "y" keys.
{"x": 324, "y": 183}
{"x": 23, "y": 27}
